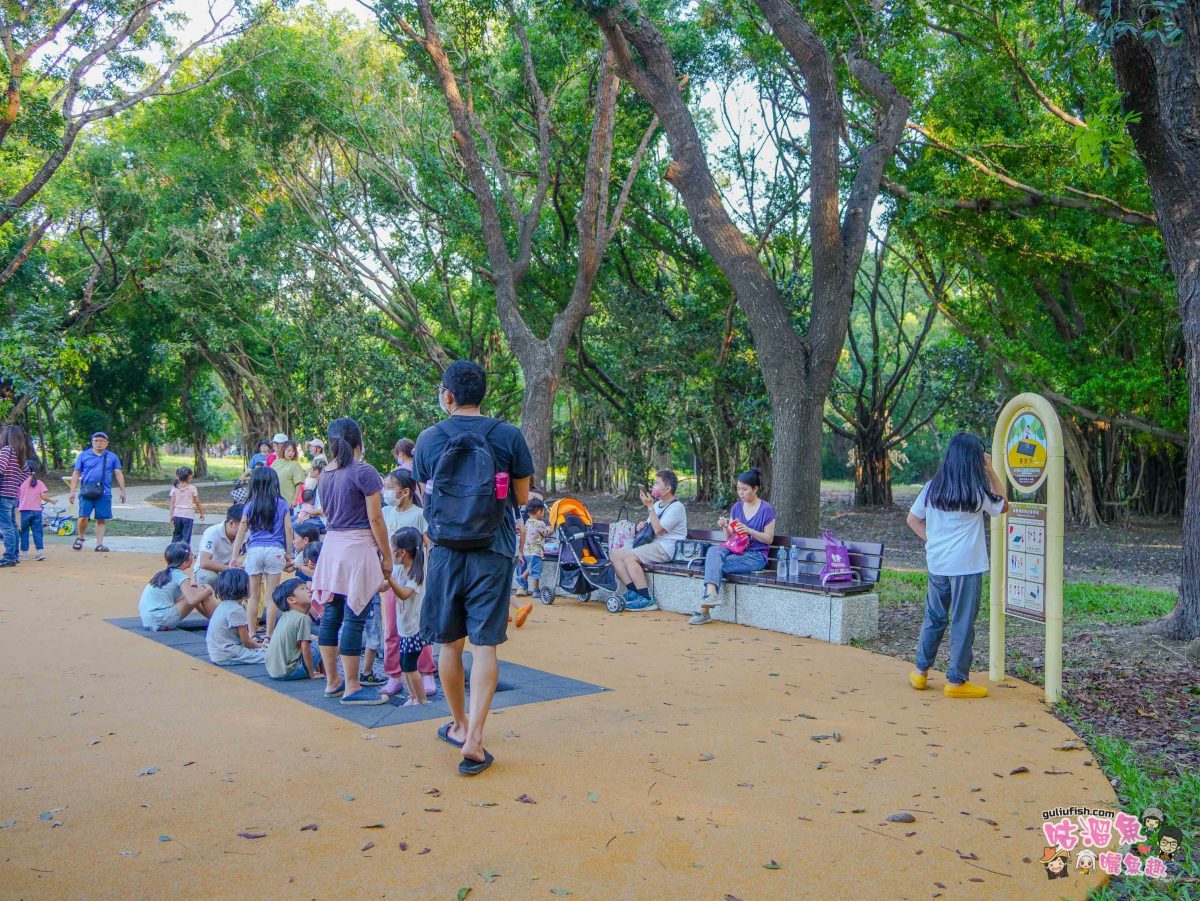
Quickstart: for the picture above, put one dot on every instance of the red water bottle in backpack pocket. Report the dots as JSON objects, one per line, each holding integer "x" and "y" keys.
{"x": 501, "y": 485}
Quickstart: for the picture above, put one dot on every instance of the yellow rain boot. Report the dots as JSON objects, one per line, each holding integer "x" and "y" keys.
{"x": 917, "y": 680}
{"x": 964, "y": 690}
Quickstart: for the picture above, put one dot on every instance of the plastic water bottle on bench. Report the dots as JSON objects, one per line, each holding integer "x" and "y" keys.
{"x": 794, "y": 564}
{"x": 782, "y": 565}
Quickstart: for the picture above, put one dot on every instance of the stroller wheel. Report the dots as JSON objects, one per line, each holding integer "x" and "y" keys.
{"x": 615, "y": 604}
{"x": 586, "y": 596}
{"x": 547, "y": 596}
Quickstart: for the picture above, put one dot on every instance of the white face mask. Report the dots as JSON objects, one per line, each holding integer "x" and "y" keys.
{"x": 389, "y": 496}
{"x": 442, "y": 402}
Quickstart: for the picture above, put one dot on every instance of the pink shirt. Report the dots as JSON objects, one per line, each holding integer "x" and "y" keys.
{"x": 30, "y": 498}
{"x": 182, "y": 502}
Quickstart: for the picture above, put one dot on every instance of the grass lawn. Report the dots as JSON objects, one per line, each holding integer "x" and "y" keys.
{"x": 222, "y": 470}
{"x": 124, "y": 528}
{"x": 1083, "y": 602}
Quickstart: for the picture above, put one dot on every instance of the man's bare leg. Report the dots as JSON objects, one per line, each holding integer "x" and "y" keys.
{"x": 485, "y": 674}
{"x": 450, "y": 668}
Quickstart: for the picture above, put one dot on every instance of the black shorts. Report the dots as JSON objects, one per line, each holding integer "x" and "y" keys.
{"x": 466, "y": 596}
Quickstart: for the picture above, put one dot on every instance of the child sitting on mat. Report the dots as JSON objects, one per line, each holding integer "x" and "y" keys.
{"x": 229, "y": 640}
{"x": 171, "y": 595}
{"x": 290, "y": 655}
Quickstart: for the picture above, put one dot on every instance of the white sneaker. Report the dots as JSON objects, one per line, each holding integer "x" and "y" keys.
{"x": 700, "y": 618}
{"x": 41, "y": 555}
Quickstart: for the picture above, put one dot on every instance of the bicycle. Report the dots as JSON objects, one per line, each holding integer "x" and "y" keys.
{"x": 57, "y": 519}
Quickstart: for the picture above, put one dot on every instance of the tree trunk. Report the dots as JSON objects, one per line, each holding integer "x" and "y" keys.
{"x": 200, "y": 457}
{"x": 55, "y": 448}
{"x": 537, "y": 415}
{"x": 1160, "y": 84}
{"x": 872, "y": 471}
{"x": 1085, "y": 509}
{"x": 797, "y": 369}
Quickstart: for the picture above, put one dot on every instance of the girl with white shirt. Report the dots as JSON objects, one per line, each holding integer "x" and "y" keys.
{"x": 948, "y": 516}
{"x": 407, "y": 583}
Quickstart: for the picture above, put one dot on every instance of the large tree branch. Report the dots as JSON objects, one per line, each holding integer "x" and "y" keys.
{"x": 1033, "y": 197}
{"x": 35, "y": 235}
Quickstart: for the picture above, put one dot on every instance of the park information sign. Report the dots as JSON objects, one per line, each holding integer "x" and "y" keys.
{"x": 1025, "y": 562}
{"x": 1027, "y": 539}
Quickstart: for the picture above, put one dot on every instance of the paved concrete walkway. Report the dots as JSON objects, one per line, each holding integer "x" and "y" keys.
{"x": 720, "y": 753}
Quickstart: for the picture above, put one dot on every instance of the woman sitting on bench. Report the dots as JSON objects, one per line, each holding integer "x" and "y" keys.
{"x": 750, "y": 516}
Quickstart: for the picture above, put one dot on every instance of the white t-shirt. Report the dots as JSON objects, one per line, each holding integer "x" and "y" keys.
{"x": 224, "y": 642}
{"x": 219, "y": 549}
{"x": 673, "y": 518}
{"x": 408, "y": 618}
{"x": 395, "y": 518}
{"x": 955, "y": 540}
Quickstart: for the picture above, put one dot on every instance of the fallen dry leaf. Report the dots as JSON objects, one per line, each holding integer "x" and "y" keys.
{"x": 368, "y": 846}
{"x": 1019, "y": 770}
{"x": 373, "y": 826}
{"x": 311, "y": 827}
{"x": 252, "y": 834}
{"x": 707, "y": 757}
{"x": 404, "y": 846}
{"x": 433, "y": 810}
{"x": 901, "y": 817}
{"x": 148, "y": 771}
{"x": 771, "y": 865}
{"x": 525, "y": 799}
{"x": 424, "y": 851}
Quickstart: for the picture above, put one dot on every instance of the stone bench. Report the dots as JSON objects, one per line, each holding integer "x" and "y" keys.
{"x": 840, "y": 612}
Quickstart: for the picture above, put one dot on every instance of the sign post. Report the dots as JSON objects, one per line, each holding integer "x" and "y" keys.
{"x": 1027, "y": 540}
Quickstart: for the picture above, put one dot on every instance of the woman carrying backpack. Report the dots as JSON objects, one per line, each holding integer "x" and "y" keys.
{"x": 356, "y": 558}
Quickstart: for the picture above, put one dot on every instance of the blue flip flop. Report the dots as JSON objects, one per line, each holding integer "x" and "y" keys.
{"x": 364, "y": 697}
{"x": 470, "y": 767}
{"x": 444, "y": 735}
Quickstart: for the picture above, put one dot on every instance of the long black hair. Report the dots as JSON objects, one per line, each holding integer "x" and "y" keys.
{"x": 409, "y": 539}
{"x": 174, "y": 556}
{"x": 961, "y": 482}
{"x": 344, "y": 436}
{"x": 263, "y": 500}
{"x": 406, "y": 482}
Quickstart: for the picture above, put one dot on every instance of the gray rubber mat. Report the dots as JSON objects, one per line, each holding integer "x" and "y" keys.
{"x": 518, "y": 684}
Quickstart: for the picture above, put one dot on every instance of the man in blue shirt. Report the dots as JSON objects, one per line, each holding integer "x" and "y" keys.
{"x": 95, "y": 467}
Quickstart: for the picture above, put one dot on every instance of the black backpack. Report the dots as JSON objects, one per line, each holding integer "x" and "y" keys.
{"x": 462, "y": 510}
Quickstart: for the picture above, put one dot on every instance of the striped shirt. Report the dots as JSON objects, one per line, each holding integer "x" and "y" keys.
{"x": 12, "y": 474}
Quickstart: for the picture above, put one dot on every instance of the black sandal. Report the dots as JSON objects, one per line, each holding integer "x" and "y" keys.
{"x": 470, "y": 767}
{"x": 78, "y": 544}
{"x": 444, "y": 735}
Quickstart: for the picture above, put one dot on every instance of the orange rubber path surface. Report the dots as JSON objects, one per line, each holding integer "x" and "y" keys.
{"x": 687, "y": 780}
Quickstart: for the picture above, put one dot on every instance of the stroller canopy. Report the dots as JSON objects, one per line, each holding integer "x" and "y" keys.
{"x": 566, "y": 506}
